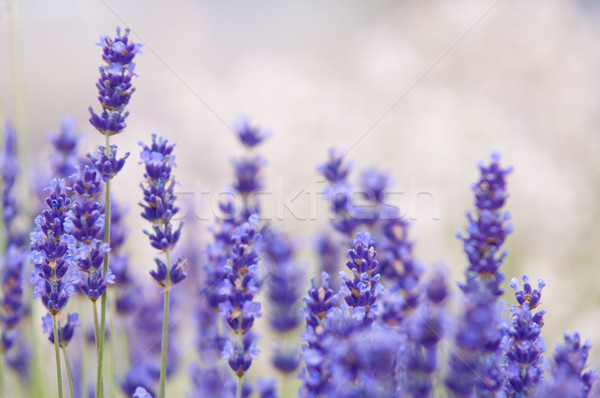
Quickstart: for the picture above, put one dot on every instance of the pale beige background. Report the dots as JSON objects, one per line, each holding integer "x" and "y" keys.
{"x": 521, "y": 77}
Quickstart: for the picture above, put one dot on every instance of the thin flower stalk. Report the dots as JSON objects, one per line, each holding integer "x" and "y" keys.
{"x": 159, "y": 208}
{"x": 114, "y": 92}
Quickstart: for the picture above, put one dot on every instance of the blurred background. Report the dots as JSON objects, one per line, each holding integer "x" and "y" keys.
{"x": 422, "y": 89}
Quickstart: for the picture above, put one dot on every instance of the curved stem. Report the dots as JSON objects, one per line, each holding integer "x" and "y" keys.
{"x": 99, "y": 381}
{"x": 69, "y": 375}
{"x": 163, "y": 350}
{"x": 58, "y": 372}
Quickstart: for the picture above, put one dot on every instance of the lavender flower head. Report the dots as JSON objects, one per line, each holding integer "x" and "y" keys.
{"x": 346, "y": 217}
{"x": 239, "y": 310}
{"x": 363, "y": 288}
{"x": 85, "y": 224}
{"x": 64, "y": 158}
{"x": 159, "y": 207}
{"x": 319, "y": 302}
{"x": 11, "y": 261}
{"x": 114, "y": 85}
{"x": 49, "y": 250}
{"x": 488, "y": 228}
{"x": 569, "y": 378}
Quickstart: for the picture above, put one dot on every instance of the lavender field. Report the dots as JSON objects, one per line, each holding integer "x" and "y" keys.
{"x": 271, "y": 199}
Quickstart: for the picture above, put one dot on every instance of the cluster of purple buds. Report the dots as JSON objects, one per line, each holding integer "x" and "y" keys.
{"x": 318, "y": 303}
{"x": 363, "y": 288}
{"x": 488, "y": 228}
{"x": 240, "y": 357}
{"x": 284, "y": 290}
{"x": 329, "y": 255}
{"x": 399, "y": 267}
{"x": 247, "y": 169}
{"x": 569, "y": 374}
{"x": 65, "y": 332}
{"x": 159, "y": 207}
{"x": 114, "y": 85}
{"x": 50, "y": 252}
{"x": 64, "y": 158}
{"x": 425, "y": 329}
{"x": 217, "y": 253}
{"x": 238, "y": 308}
{"x": 339, "y": 193}
{"x": 12, "y": 259}
{"x": 85, "y": 224}
{"x": 525, "y": 345}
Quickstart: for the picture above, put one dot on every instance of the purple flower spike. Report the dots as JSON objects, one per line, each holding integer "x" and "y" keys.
{"x": 114, "y": 85}
{"x": 363, "y": 288}
{"x": 159, "y": 208}
{"x": 159, "y": 200}
{"x": 49, "y": 250}
{"x": 488, "y": 228}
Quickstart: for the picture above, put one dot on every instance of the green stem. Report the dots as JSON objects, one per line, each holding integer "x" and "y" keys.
{"x": 69, "y": 375}
{"x": 99, "y": 382}
{"x": 163, "y": 349}
{"x": 99, "y": 385}
{"x": 58, "y": 372}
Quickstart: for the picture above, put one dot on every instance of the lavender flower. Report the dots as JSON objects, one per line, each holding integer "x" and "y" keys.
{"x": 339, "y": 193}
{"x": 328, "y": 254}
{"x": 525, "y": 345}
{"x": 64, "y": 158}
{"x": 475, "y": 364}
{"x": 49, "y": 250}
{"x": 488, "y": 228}
{"x": 319, "y": 302}
{"x": 159, "y": 207}
{"x": 240, "y": 356}
{"x": 213, "y": 382}
{"x": 107, "y": 163}
{"x": 569, "y": 378}
{"x": 65, "y": 333}
{"x": 114, "y": 85}
{"x": 241, "y": 285}
{"x": 12, "y": 257}
{"x": 250, "y": 135}
{"x": 284, "y": 291}
{"x": 241, "y": 280}
{"x": 425, "y": 329}
{"x": 363, "y": 288}
{"x": 284, "y": 283}
{"x": 400, "y": 269}
{"x": 85, "y": 223}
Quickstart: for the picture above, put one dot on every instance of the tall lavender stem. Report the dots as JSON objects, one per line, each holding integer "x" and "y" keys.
{"x": 159, "y": 209}
{"x": 56, "y": 351}
{"x": 115, "y": 91}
